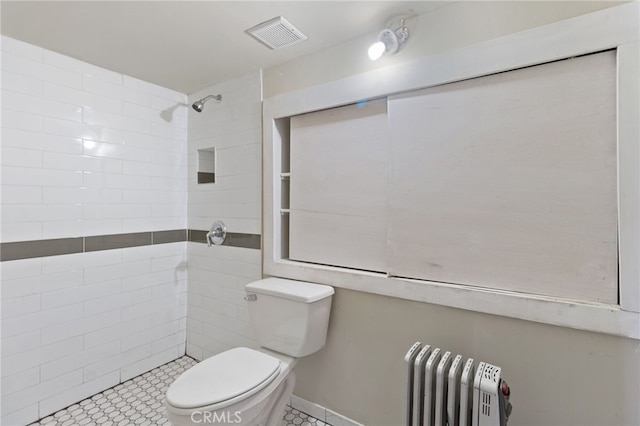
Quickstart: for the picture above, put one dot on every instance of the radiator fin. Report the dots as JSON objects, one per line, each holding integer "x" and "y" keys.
{"x": 444, "y": 390}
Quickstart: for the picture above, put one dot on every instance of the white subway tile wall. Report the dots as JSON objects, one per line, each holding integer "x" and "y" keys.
{"x": 217, "y": 313}
{"x": 87, "y": 151}
{"x": 90, "y": 153}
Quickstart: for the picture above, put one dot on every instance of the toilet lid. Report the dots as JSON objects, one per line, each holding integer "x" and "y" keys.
{"x": 222, "y": 377}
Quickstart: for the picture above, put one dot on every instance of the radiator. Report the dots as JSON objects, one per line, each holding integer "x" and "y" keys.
{"x": 443, "y": 390}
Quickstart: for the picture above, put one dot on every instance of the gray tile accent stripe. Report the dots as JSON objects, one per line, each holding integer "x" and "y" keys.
{"x": 55, "y": 247}
{"x": 174, "y": 236}
{"x": 205, "y": 177}
{"x": 234, "y": 239}
{"x": 196, "y": 236}
{"x": 40, "y": 248}
{"x": 116, "y": 241}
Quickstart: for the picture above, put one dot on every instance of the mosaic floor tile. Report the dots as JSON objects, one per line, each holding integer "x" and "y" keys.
{"x": 140, "y": 401}
{"x": 293, "y": 417}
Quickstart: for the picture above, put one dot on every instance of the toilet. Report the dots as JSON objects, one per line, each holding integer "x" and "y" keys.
{"x": 244, "y": 386}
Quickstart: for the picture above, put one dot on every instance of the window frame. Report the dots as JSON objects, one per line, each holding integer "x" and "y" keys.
{"x": 612, "y": 28}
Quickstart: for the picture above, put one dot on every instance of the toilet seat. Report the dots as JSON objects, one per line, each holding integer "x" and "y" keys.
{"x": 223, "y": 379}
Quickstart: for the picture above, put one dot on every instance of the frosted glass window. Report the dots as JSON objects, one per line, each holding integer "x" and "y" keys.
{"x": 509, "y": 181}
{"x": 338, "y": 186}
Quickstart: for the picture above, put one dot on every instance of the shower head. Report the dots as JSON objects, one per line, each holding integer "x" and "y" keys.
{"x": 199, "y": 105}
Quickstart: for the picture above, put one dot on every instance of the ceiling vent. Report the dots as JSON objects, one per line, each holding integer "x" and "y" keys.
{"x": 277, "y": 33}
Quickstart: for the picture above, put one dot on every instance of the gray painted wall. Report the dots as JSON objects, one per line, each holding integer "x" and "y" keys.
{"x": 558, "y": 376}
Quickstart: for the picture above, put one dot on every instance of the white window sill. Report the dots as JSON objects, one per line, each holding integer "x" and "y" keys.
{"x": 595, "y": 317}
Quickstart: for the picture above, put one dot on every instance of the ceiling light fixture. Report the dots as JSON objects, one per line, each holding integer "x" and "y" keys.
{"x": 390, "y": 40}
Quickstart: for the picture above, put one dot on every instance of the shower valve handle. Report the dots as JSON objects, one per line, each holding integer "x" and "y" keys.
{"x": 217, "y": 234}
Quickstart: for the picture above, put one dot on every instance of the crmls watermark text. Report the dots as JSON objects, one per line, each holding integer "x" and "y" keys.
{"x": 207, "y": 417}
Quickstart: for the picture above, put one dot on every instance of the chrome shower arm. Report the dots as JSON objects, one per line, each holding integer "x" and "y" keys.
{"x": 199, "y": 105}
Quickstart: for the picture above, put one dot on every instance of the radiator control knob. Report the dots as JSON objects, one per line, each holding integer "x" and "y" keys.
{"x": 505, "y": 388}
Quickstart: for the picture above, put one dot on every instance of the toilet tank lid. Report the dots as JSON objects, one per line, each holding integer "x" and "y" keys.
{"x": 300, "y": 291}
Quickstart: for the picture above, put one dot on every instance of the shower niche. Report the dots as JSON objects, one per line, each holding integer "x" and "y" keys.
{"x": 207, "y": 165}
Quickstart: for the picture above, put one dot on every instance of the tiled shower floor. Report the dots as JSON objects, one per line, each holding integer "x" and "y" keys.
{"x": 140, "y": 401}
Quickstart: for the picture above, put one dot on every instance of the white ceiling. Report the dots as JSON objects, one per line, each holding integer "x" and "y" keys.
{"x": 189, "y": 45}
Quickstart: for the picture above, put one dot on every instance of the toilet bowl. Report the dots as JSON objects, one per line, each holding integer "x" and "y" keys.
{"x": 241, "y": 386}
{"x": 244, "y": 386}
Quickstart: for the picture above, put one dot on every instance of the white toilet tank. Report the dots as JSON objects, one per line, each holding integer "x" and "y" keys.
{"x": 290, "y": 317}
